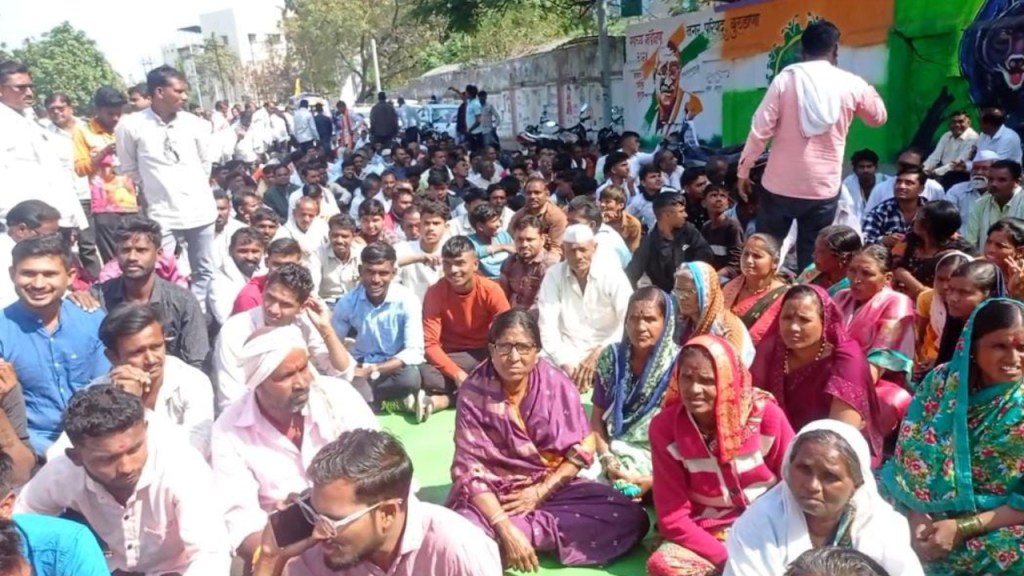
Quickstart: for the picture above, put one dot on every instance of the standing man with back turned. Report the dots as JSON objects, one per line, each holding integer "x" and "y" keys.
{"x": 806, "y": 114}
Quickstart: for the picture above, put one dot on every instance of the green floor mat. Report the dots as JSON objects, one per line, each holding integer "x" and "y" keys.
{"x": 431, "y": 448}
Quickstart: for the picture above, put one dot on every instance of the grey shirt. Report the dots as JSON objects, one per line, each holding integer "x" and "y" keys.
{"x": 13, "y": 405}
{"x": 185, "y": 328}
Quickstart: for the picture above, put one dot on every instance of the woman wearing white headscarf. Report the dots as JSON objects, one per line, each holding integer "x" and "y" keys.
{"x": 828, "y": 498}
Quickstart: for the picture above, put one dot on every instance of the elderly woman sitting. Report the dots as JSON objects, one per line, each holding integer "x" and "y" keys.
{"x": 632, "y": 377}
{"x": 715, "y": 451}
{"x": 521, "y": 438}
{"x": 828, "y": 498}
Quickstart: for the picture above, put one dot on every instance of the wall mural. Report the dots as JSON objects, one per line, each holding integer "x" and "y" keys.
{"x": 992, "y": 56}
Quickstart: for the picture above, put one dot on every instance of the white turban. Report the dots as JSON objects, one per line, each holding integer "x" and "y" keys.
{"x": 578, "y": 234}
{"x": 266, "y": 349}
{"x": 986, "y": 156}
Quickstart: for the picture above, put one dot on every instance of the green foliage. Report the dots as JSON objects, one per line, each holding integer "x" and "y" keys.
{"x": 66, "y": 60}
{"x": 469, "y": 16}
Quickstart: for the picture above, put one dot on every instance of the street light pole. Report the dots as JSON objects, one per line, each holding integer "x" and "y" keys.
{"x": 376, "y": 64}
{"x": 604, "y": 54}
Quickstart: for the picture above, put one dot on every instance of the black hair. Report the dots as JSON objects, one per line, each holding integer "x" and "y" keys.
{"x": 648, "y": 169}
{"x": 691, "y": 175}
{"x": 456, "y": 246}
{"x": 139, "y": 89}
{"x": 941, "y": 219}
{"x": 514, "y": 318}
{"x": 342, "y": 221}
{"x": 264, "y": 213}
{"x": 40, "y": 246}
{"x": 483, "y": 214}
{"x": 630, "y": 134}
{"x": 820, "y": 38}
{"x": 880, "y": 254}
{"x": 128, "y": 319}
{"x": 865, "y": 155}
{"x": 246, "y": 236}
{"x": 377, "y": 253}
{"x": 109, "y": 97}
{"x": 586, "y": 207}
{"x": 835, "y": 561}
{"x": 1013, "y": 227}
{"x": 801, "y": 291}
{"x": 649, "y": 294}
{"x": 511, "y": 185}
{"x": 374, "y": 178}
{"x": 614, "y": 158}
{"x": 32, "y": 213}
{"x": 434, "y": 208}
{"x": 284, "y": 247}
{"x": 11, "y": 559}
{"x": 371, "y": 207}
{"x": 374, "y": 462}
{"x": 917, "y": 171}
{"x": 583, "y": 185}
{"x": 236, "y": 200}
{"x": 136, "y": 225}
{"x": 1011, "y": 166}
{"x": 843, "y": 241}
{"x": 219, "y": 194}
{"x": 983, "y": 274}
{"x": 295, "y": 277}
{"x": 991, "y": 115}
{"x": 666, "y": 200}
{"x": 837, "y": 442}
{"x": 528, "y": 221}
{"x": 9, "y": 68}
{"x": 437, "y": 177}
{"x": 494, "y": 188}
{"x": 99, "y": 411}
{"x": 474, "y": 194}
{"x": 161, "y": 76}
{"x": 994, "y": 316}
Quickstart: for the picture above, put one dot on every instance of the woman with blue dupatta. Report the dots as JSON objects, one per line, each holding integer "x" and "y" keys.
{"x": 957, "y": 470}
{"x": 632, "y": 377}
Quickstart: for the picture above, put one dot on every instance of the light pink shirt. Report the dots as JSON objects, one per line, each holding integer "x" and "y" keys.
{"x": 256, "y": 467}
{"x": 171, "y": 524}
{"x": 801, "y": 167}
{"x": 436, "y": 542}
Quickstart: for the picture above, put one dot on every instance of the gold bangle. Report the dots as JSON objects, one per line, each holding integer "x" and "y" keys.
{"x": 969, "y": 527}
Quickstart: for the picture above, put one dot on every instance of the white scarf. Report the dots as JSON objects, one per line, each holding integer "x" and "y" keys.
{"x": 937, "y": 313}
{"x": 266, "y": 349}
{"x": 772, "y": 533}
{"x": 819, "y": 87}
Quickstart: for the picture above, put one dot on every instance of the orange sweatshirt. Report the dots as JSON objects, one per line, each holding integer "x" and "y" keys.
{"x": 454, "y": 322}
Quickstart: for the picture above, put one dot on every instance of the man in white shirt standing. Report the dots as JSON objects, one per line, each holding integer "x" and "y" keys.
{"x": 410, "y": 121}
{"x": 305, "y": 127}
{"x": 28, "y": 157}
{"x": 581, "y": 306}
{"x": 224, "y": 137}
{"x": 167, "y": 150}
{"x": 954, "y": 149}
{"x": 998, "y": 137}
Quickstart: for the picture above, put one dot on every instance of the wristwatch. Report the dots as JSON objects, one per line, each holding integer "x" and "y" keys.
{"x": 374, "y": 373}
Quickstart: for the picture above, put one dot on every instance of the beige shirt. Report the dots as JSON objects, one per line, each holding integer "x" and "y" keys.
{"x": 172, "y": 523}
{"x": 338, "y": 277}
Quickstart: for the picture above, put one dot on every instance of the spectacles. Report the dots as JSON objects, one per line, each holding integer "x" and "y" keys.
{"x": 169, "y": 152}
{"x": 21, "y": 87}
{"x": 331, "y": 527}
{"x": 506, "y": 348}
{"x": 684, "y": 293}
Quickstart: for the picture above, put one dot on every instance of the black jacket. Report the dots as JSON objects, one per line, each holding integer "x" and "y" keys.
{"x": 688, "y": 245}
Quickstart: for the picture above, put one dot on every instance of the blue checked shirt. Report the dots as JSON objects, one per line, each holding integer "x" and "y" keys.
{"x": 886, "y": 218}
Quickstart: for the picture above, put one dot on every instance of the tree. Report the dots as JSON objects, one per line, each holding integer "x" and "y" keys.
{"x": 332, "y": 41}
{"x": 468, "y": 16}
{"x": 218, "y": 69}
{"x": 66, "y": 60}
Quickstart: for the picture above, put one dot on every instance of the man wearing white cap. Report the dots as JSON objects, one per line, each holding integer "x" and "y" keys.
{"x": 966, "y": 194}
{"x": 263, "y": 443}
{"x": 581, "y": 309}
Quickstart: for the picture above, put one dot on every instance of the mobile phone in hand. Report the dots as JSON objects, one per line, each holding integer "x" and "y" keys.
{"x": 290, "y": 526}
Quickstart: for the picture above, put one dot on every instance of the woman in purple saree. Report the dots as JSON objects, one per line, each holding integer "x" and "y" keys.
{"x": 521, "y": 438}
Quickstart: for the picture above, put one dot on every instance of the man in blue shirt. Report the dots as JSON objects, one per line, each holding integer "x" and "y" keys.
{"x": 474, "y": 125}
{"x": 53, "y": 344}
{"x": 493, "y": 244}
{"x": 50, "y": 546}
{"x": 387, "y": 320}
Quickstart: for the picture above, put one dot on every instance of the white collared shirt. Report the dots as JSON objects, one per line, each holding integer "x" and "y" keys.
{"x": 172, "y": 523}
{"x": 854, "y": 203}
{"x": 305, "y": 126}
{"x": 1005, "y": 143}
{"x": 32, "y": 169}
{"x": 222, "y": 241}
{"x": 256, "y": 467}
{"x": 172, "y": 161}
{"x": 417, "y": 277}
{"x": 328, "y": 204}
{"x": 950, "y": 149}
{"x": 964, "y": 196}
{"x": 64, "y": 145}
{"x": 574, "y": 322}
{"x": 227, "y": 353}
{"x": 886, "y": 190}
{"x": 227, "y": 282}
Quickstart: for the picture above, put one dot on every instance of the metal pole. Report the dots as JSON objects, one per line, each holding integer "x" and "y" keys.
{"x": 376, "y": 64}
{"x": 604, "y": 54}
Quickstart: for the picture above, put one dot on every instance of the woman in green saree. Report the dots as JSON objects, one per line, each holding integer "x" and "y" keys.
{"x": 960, "y": 456}
{"x": 632, "y": 377}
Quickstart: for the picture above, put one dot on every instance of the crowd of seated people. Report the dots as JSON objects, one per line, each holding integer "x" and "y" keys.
{"x": 624, "y": 356}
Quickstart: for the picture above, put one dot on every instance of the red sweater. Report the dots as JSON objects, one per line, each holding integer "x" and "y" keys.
{"x": 454, "y": 322}
{"x": 251, "y": 295}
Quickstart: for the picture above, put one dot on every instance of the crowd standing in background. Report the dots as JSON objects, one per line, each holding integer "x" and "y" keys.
{"x": 791, "y": 373}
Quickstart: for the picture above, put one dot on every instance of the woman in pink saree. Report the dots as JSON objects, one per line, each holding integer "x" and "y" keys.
{"x": 521, "y": 438}
{"x": 882, "y": 321}
{"x": 755, "y": 295}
